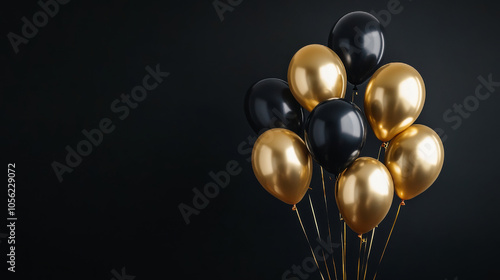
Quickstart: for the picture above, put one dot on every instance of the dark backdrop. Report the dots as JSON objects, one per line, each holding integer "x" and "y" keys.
{"x": 117, "y": 211}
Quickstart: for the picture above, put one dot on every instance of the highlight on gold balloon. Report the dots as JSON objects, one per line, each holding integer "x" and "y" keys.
{"x": 364, "y": 193}
{"x": 282, "y": 164}
{"x": 415, "y": 158}
{"x": 316, "y": 74}
{"x": 334, "y": 135}
{"x": 394, "y": 98}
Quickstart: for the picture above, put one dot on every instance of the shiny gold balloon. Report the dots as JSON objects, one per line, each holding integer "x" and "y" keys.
{"x": 364, "y": 193}
{"x": 282, "y": 164}
{"x": 414, "y": 158}
{"x": 315, "y": 74}
{"x": 394, "y": 98}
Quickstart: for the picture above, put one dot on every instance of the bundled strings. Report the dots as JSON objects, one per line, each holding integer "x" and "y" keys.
{"x": 328, "y": 221}
{"x": 389, "y": 237}
{"x": 365, "y": 244}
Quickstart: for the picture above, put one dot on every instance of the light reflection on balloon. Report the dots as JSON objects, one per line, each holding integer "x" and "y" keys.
{"x": 282, "y": 164}
{"x": 394, "y": 98}
{"x": 316, "y": 74}
{"x": 414, "y": 158}
{"x": 364, "y": 193}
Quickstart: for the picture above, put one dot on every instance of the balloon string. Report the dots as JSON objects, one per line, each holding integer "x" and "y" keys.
{"x": 342, "y": 240}
{"x": 369, "y": 251}
{"x": 389, "y": 237}
{"x": 319, "y": 235}
{"x": 363, "y": 258}
{"x": 309, "y": 243}
{"x": 359, "y": 255}
{"x": 342, "y": 244}
{"x": 384, "y": 145}
{"x": 344, "y": 253}
{"x": 328, "y": 222}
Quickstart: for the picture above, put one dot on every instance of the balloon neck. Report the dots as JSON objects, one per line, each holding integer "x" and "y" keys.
{"x": 355, "y": 88}
{"x": 360, "y": 236}
{"x": 403, "y": 202}
{"x": 294, "y": 208}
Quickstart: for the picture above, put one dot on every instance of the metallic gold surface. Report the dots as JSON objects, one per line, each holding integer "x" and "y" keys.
{"x": 315, "y": 74}
{"x": 394, "y": 98}
{"x": 282, "y": 164}
{"x": 414, "y": 158}
{"x": 364, "y": 193}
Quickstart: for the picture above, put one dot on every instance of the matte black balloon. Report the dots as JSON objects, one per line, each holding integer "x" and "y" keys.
{"x": 358, "y": 40}
{"x": 269, "y": 103}
{"x": 335, "y": 134}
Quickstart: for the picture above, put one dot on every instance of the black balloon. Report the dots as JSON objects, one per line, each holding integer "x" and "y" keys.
{"x": 358, "y": 40}
{"x": 269, "y": 103}
{"x": 335, "y": 134}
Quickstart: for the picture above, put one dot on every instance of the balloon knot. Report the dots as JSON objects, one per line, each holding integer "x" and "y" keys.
{"x": 310, "y": 188}
{"x": 360, "y": 236}
{"x": 294, "y": 208}
{"x": 385, "y": 145}
{"x": 403, "y": 202}
{"x": 355, "y": 88}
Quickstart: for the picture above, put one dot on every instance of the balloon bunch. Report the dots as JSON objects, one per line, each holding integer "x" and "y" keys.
{"x": 335, "y": 131}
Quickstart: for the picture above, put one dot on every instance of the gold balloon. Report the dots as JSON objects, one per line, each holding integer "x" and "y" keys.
{"x": 414, "y": 158}
{"x": 364, "y": 193}
{"x": 315, "y": 74}
{"x": 282, "y": 164}
{"x": 394, "y": 98}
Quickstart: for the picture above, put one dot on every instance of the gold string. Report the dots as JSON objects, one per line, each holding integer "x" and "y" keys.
{"x": 342, "y": 240}
{"x": 327, "y": 271}
{"x": 342, "y": 245}
{"x": 319, "y": 235}
{"x": 328, "y": 222}
{"x": 344, "y": 254}
{"x": 359, "y": 255}
{"x": 314, "y": 216}
{"x": 363, "y": 258}
{"x": 389, "y": 237}
{"x": 369, "y": 251}
{"x": 384, "y": 145}
{"x": 307, "y": 238}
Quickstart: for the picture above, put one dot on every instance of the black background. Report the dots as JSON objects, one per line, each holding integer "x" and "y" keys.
{"x": 119, "y": 207}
